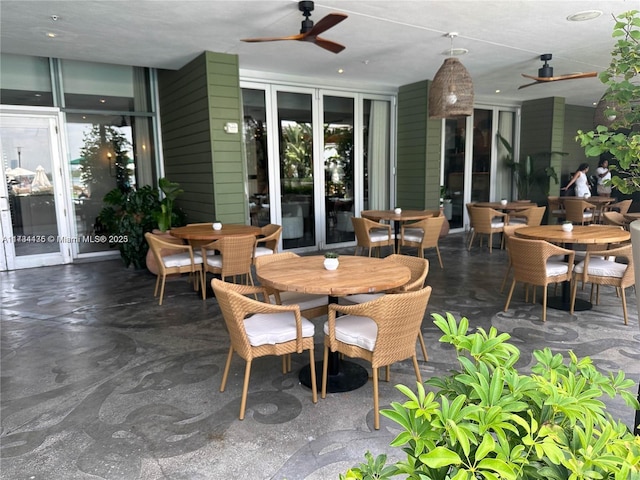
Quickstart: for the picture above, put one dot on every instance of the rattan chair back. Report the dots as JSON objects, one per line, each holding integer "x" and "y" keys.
{"x": 431, "y": 228}
{"x": 615, "y": 218}
{"x": 530, "y": 260}
{"x": 578, "y": 211}
{"x": 398, "y": 319}
{"x": 533, "y": 215}
{"x": 612, "y": 267}
{"x": 236, "y": 307}
{"x": 621, "y": 207}
{"x": 485, "y": 221}
{"x": 370, "y": 235}
{"x": 174, "y": 258}
{"x": 236, "y": 252}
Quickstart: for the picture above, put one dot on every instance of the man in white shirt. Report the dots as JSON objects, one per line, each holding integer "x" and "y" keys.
{"x": 603, "y": 174}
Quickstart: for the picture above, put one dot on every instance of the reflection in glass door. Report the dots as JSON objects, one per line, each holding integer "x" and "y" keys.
{"x": 295, "y": 132}
{"x": 34, "y": 231}
{"x": 338, "y": 168}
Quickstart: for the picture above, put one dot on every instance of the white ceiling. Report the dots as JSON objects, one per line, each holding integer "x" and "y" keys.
{"x": 388, "y": 43}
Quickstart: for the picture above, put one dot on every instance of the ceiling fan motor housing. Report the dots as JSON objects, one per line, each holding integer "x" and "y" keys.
{"x": 546, "y": 71}
{"x": 306, "y": 7}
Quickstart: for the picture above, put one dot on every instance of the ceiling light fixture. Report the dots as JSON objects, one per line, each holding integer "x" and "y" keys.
{"x": 451, "y": 91}
{"x": 585, "y": 15}
{"x": 51, "y": 34}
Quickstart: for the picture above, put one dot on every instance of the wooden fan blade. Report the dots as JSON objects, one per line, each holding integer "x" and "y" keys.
{"x": 527, "y": 85}
{"x": 328, "y": 45}
{"x": 298, "y": 36}
{"x": 325, "y": 24}
{"x": 569, "y": 76}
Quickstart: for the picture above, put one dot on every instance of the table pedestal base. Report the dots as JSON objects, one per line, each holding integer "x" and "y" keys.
{"x": 350, "y": 376}
{"x": 559, "y": 303}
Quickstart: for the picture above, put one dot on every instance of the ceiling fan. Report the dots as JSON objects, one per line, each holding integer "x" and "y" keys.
{"x": 308, "y": 31}
{"x": 545, "y": 74}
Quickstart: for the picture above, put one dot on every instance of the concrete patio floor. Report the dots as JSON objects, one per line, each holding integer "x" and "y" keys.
{"x": 98, "y": 381}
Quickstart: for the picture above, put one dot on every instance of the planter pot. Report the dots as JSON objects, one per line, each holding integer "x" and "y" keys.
{"x": 331, "y": 263}
{"x": 448, "y": 209}
{"x": 152, "y": 266}
{"x": 634, "y": 228}
{"x": 445, "y": 225}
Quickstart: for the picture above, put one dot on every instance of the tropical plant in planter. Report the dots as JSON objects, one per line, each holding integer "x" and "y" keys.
{"x": 166, "y": 215}
{"x": 486, "y": 420}
{"x": 129, "y": 215}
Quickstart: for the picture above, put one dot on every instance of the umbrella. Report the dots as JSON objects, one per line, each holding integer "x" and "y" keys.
{"x": 20, "y": 172}
{"x": 40, "y": 181}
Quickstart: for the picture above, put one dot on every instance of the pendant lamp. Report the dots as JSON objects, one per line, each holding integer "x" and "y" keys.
{"x": 605, "y": 113}
{"x": 451, "y": 92}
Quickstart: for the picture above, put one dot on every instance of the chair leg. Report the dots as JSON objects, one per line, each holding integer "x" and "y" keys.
{"x": 325, "y": 365}
{"x": 225, "y": 373}
{"x": 416, "y": 367}
{"x": 623, "y": 297}
{"x": 423, "y": 346}
{"x": 439, "y": 257}
{"x": 574, "y": 288}
{"x": 245, "y": 389}
{"x": 164, "y": 277}
{"x": 544, "y": 303}
{"x": 155, "y": 291}
{"x": 473, "y": 235}
{"x": 513, "y": 285}
{"x": 314, "y": 387}
{"x": 376, "y": 413}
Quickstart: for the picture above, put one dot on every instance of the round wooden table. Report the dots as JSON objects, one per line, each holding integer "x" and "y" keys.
{"x": 355, "y": 274}
{"x": 509, "y": 206}
{"x": 205, "y": 231}
{"x": 585, "y": 235}
{"x": 396, "y": 218}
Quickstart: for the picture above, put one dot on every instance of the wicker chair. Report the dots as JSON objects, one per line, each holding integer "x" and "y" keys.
{"x": 258, "y": 329}
{"x": 182, "y": 260}
{"x": 621, "y": 207}
{"x": 311, "y": 305}
{"x": 579, "y": 211}
{"x": 556, "y": 208}
{"x": 382, "y": 332}
{"x": 532, "y": 265}
{"x": 615, "y": 218}
{"x": 485, "y": 221}
{"x": 423, "y": 234}
{"x": 531, "y": 217}
{"x": 267, "y": 242}
{"x": 234, "y": 259}
{"x": 370, "y": 235}
{"x": 509, "y": 231}
{"x": 419, "y": 269}
{"x": 603, "y": 268}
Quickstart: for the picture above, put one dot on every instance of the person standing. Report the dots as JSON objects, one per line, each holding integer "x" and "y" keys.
{"x": 581, "y": 181}
{"x": 603, "y": 174}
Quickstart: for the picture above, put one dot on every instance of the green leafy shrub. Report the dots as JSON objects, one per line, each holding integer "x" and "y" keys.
{"x": 488, "y": 421}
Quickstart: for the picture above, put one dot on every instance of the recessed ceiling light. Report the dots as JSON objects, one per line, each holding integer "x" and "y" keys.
{"x": 51, "y": 35}
{"x": 498, "y": 91}
{"x": 585, "y": 15}
{"x": 102, "y": 100}
{"x": 340, "y": 70}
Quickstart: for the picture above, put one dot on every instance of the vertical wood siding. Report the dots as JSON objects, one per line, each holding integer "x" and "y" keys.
{"x": 196, "y": 102}
{"x": 418, "y": 159}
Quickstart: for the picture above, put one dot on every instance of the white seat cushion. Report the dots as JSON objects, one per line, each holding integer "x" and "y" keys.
{"x": 413, "y": 234}
{"x": 362, "y": 297}
{"x": 180, "y": 260}
{"x": 303, "y": 300}
{"x": 273, "y": 328}
{"x": 260, "y": 251}
{"x": 214, "y": 260}
{"x": 495, "y": 224}
{"x": 355, "y": 330}
{"x": 586, "y": 215}
{"x": 517, "y": 220}
{"x": 556, "y": 268}
{"x": 379, "y": 235}
{"x": 602, "y": 268}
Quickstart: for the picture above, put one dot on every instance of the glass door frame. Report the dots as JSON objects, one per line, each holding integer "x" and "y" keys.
{"x": 60, "y": 180}
{"x": 273, "y": 151}
{"x": 468, "y": 154}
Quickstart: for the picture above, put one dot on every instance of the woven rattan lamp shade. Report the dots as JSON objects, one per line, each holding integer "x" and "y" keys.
{"x": 604, "y": 114}
{"x": 451, "y": 92}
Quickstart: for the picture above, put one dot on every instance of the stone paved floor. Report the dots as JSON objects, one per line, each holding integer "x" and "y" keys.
{"x": 98, "y": 381}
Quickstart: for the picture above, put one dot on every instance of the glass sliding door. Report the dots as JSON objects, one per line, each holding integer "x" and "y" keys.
{"x": 474, "y": 167}
{"x": 296, "y": 142}
{"x": 32, "y": 201}
{"x": 455, "y": 146}
{"x": 338, "y": 168}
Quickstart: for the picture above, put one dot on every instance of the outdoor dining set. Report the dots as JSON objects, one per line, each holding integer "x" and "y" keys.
{"x": 375, "y": 304}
